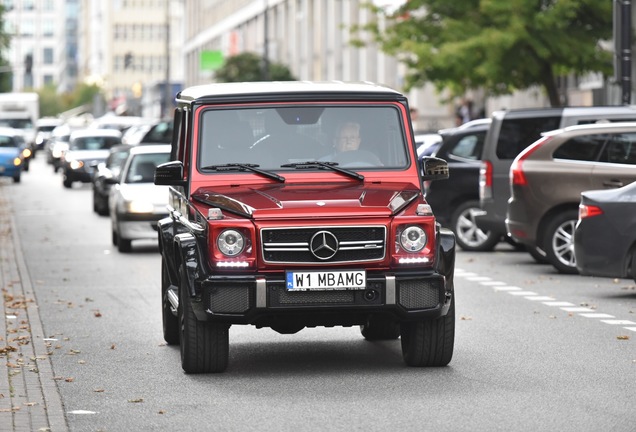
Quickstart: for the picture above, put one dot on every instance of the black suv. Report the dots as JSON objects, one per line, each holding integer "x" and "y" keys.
{"x": 455, "y": 202}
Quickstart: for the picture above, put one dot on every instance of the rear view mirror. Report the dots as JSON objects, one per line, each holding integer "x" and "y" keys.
{"x": 170, "y": 174}
{"x": 434, "y": 168}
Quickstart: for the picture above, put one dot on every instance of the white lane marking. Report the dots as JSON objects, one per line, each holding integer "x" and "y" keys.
{"x": 618, "y": 322}
{"x": 558, "y": 303}
{"x": 547, "y": 300}
{"x": 596, "y": 315}
{"x": 81, "y": 412}
{"x": 508, "y": 288}
{"x": 577, "y": 309}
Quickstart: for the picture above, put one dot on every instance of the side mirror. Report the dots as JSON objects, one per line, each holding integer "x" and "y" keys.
{"x": 434, "y": 168}
{"x": 170, "y": 174}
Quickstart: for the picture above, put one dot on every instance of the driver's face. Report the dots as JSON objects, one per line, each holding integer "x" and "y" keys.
{"x": 348, "y": 139}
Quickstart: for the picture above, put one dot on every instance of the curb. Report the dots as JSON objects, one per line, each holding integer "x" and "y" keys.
{"x": 29, "y": 397}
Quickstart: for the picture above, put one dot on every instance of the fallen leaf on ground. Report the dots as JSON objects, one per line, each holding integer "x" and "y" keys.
{"x": 136, "y": 400}
{"x": 622, "y": 337}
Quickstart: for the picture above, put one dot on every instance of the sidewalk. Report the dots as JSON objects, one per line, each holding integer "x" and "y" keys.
{"x": 29, "y": 398}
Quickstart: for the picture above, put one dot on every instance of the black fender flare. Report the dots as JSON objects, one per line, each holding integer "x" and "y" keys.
{"x": 445, "y": 263}
{"x": 187, "y": 256}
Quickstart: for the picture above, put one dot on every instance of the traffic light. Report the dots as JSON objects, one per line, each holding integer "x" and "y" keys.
{"x": 128, "y": 59}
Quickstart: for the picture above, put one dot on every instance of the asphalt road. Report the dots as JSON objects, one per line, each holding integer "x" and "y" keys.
{"x": 534, "y": 350}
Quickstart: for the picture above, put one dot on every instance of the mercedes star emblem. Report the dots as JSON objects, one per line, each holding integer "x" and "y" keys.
{"x": 323, "y": 245}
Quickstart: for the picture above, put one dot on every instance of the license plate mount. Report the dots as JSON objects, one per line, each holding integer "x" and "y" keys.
{"x": 340, "y": 280}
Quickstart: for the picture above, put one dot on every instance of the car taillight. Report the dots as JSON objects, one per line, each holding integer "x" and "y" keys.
{"x": 586, "y": 211}
{"x": 517, "y": 176}
{"x": 485, "y": 180}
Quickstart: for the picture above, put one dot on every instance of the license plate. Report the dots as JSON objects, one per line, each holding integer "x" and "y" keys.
{"x": 331, "y": 280}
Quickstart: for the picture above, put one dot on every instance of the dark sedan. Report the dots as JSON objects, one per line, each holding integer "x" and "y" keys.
{"x": 606, "y": 233}
{"x": 105, "y": 171}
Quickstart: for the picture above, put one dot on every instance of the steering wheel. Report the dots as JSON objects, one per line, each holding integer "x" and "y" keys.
{"x": 357, "y": 158}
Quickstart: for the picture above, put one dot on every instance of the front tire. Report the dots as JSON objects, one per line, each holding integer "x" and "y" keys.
{"x": 469, "y": 236}
{"x": 429, "y": 343}
{"x": 204, "y": 345}
{"x": 558, "y": 241}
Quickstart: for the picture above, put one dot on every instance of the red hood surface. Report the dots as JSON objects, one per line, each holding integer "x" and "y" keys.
{"x": 309, "y": 200}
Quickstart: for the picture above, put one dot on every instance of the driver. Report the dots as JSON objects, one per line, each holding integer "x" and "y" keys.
{"x": 347, "y": 137}
{"x": 346, "y": 144}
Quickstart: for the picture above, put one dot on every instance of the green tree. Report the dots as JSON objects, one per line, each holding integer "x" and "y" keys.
{"x": 249, "y": 67}
{"x": 6, "y": 75}
{"x": 496, "y": 45}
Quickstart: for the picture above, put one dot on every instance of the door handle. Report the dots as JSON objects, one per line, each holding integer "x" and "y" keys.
{"x": 613, "y": 183}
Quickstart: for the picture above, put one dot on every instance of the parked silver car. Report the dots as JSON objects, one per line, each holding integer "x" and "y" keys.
{"x": 136, "y": 204}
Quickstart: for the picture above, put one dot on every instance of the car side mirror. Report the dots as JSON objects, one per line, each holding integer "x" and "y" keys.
{"x": 434, "y": 168}
{"x": 170, "y": 174}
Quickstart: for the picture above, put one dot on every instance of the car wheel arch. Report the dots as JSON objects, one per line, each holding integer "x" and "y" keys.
{"x": 547, "y": 218}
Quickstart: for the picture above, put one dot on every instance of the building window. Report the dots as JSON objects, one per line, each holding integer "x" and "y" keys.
{"x": 47, "y": 56}
{"x": 48, "y": 29}
{"x": 48, "y": 79}
{"x": 28, "y": 5}
{"x": 26, "y": 28}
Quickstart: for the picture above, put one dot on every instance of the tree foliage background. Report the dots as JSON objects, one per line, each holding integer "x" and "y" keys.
{"x": 497, "y": 45}
{"x": 249, "y": 67}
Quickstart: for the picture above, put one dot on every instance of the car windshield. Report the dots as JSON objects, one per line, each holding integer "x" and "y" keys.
{"x": 7, "y": 141}
{"x": 287, "y": 138}
{"x": 18, "y": 123}
{"x": 94, "y": 143}
{"x": 142, "y": 167}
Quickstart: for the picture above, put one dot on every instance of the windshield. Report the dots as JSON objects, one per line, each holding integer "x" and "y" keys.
{"x": 94, "y": 143}
{"x": 351, "y": 136}
{"x": 142, "y": 167}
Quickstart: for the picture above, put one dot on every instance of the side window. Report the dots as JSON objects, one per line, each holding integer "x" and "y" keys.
{"x": 517, "y": 134}
{"x": 620, "y": 148}
{"x": 469, "y": 146}
{"x": 582, "y": 148}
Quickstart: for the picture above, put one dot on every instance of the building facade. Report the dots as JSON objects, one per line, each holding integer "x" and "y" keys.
{"x": 42, "y": 52}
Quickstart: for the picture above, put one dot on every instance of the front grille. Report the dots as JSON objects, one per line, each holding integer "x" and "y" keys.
{"x": 230, "y": 299}
{"x": 293, "y": 245}
{"x": 279, "y": 296}
{"x": 419, "y": 293}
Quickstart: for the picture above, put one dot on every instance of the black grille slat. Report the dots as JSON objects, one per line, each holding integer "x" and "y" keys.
{"x": 356, "y": 244}
{"x": 234, "y": 299}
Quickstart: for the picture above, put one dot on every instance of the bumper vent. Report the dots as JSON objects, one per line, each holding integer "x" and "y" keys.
{"x": 233, "y": 299}
{"x": 419, "y": 294}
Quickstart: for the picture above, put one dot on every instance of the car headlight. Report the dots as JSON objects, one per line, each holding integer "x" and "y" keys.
{"x": 138, "y": 206}
{"x": 413, "y": 239}
{"x": 75, "y": 164}
{"x": 17, "y": 161}
{"x": 230, "y": 242}
{"x": 26, "y": 153}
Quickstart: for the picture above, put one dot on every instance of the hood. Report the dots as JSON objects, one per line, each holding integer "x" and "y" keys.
{"x": 9, "y": 152}
{"x": 310, "y": 200}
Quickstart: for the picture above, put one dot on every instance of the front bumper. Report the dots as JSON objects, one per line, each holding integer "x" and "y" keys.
{"x": 264, "y": 301}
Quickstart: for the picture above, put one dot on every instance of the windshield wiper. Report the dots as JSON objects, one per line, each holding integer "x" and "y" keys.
{"x": 329, "y": 165}
{"x": 245, "y": 167}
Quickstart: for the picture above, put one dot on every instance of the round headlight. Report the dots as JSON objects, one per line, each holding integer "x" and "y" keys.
{"x": 231, "y": 242}
{"x": 413, "y": 239}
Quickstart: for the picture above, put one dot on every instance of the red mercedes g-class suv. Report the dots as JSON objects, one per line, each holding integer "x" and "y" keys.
{"x": 298, "y": 204}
